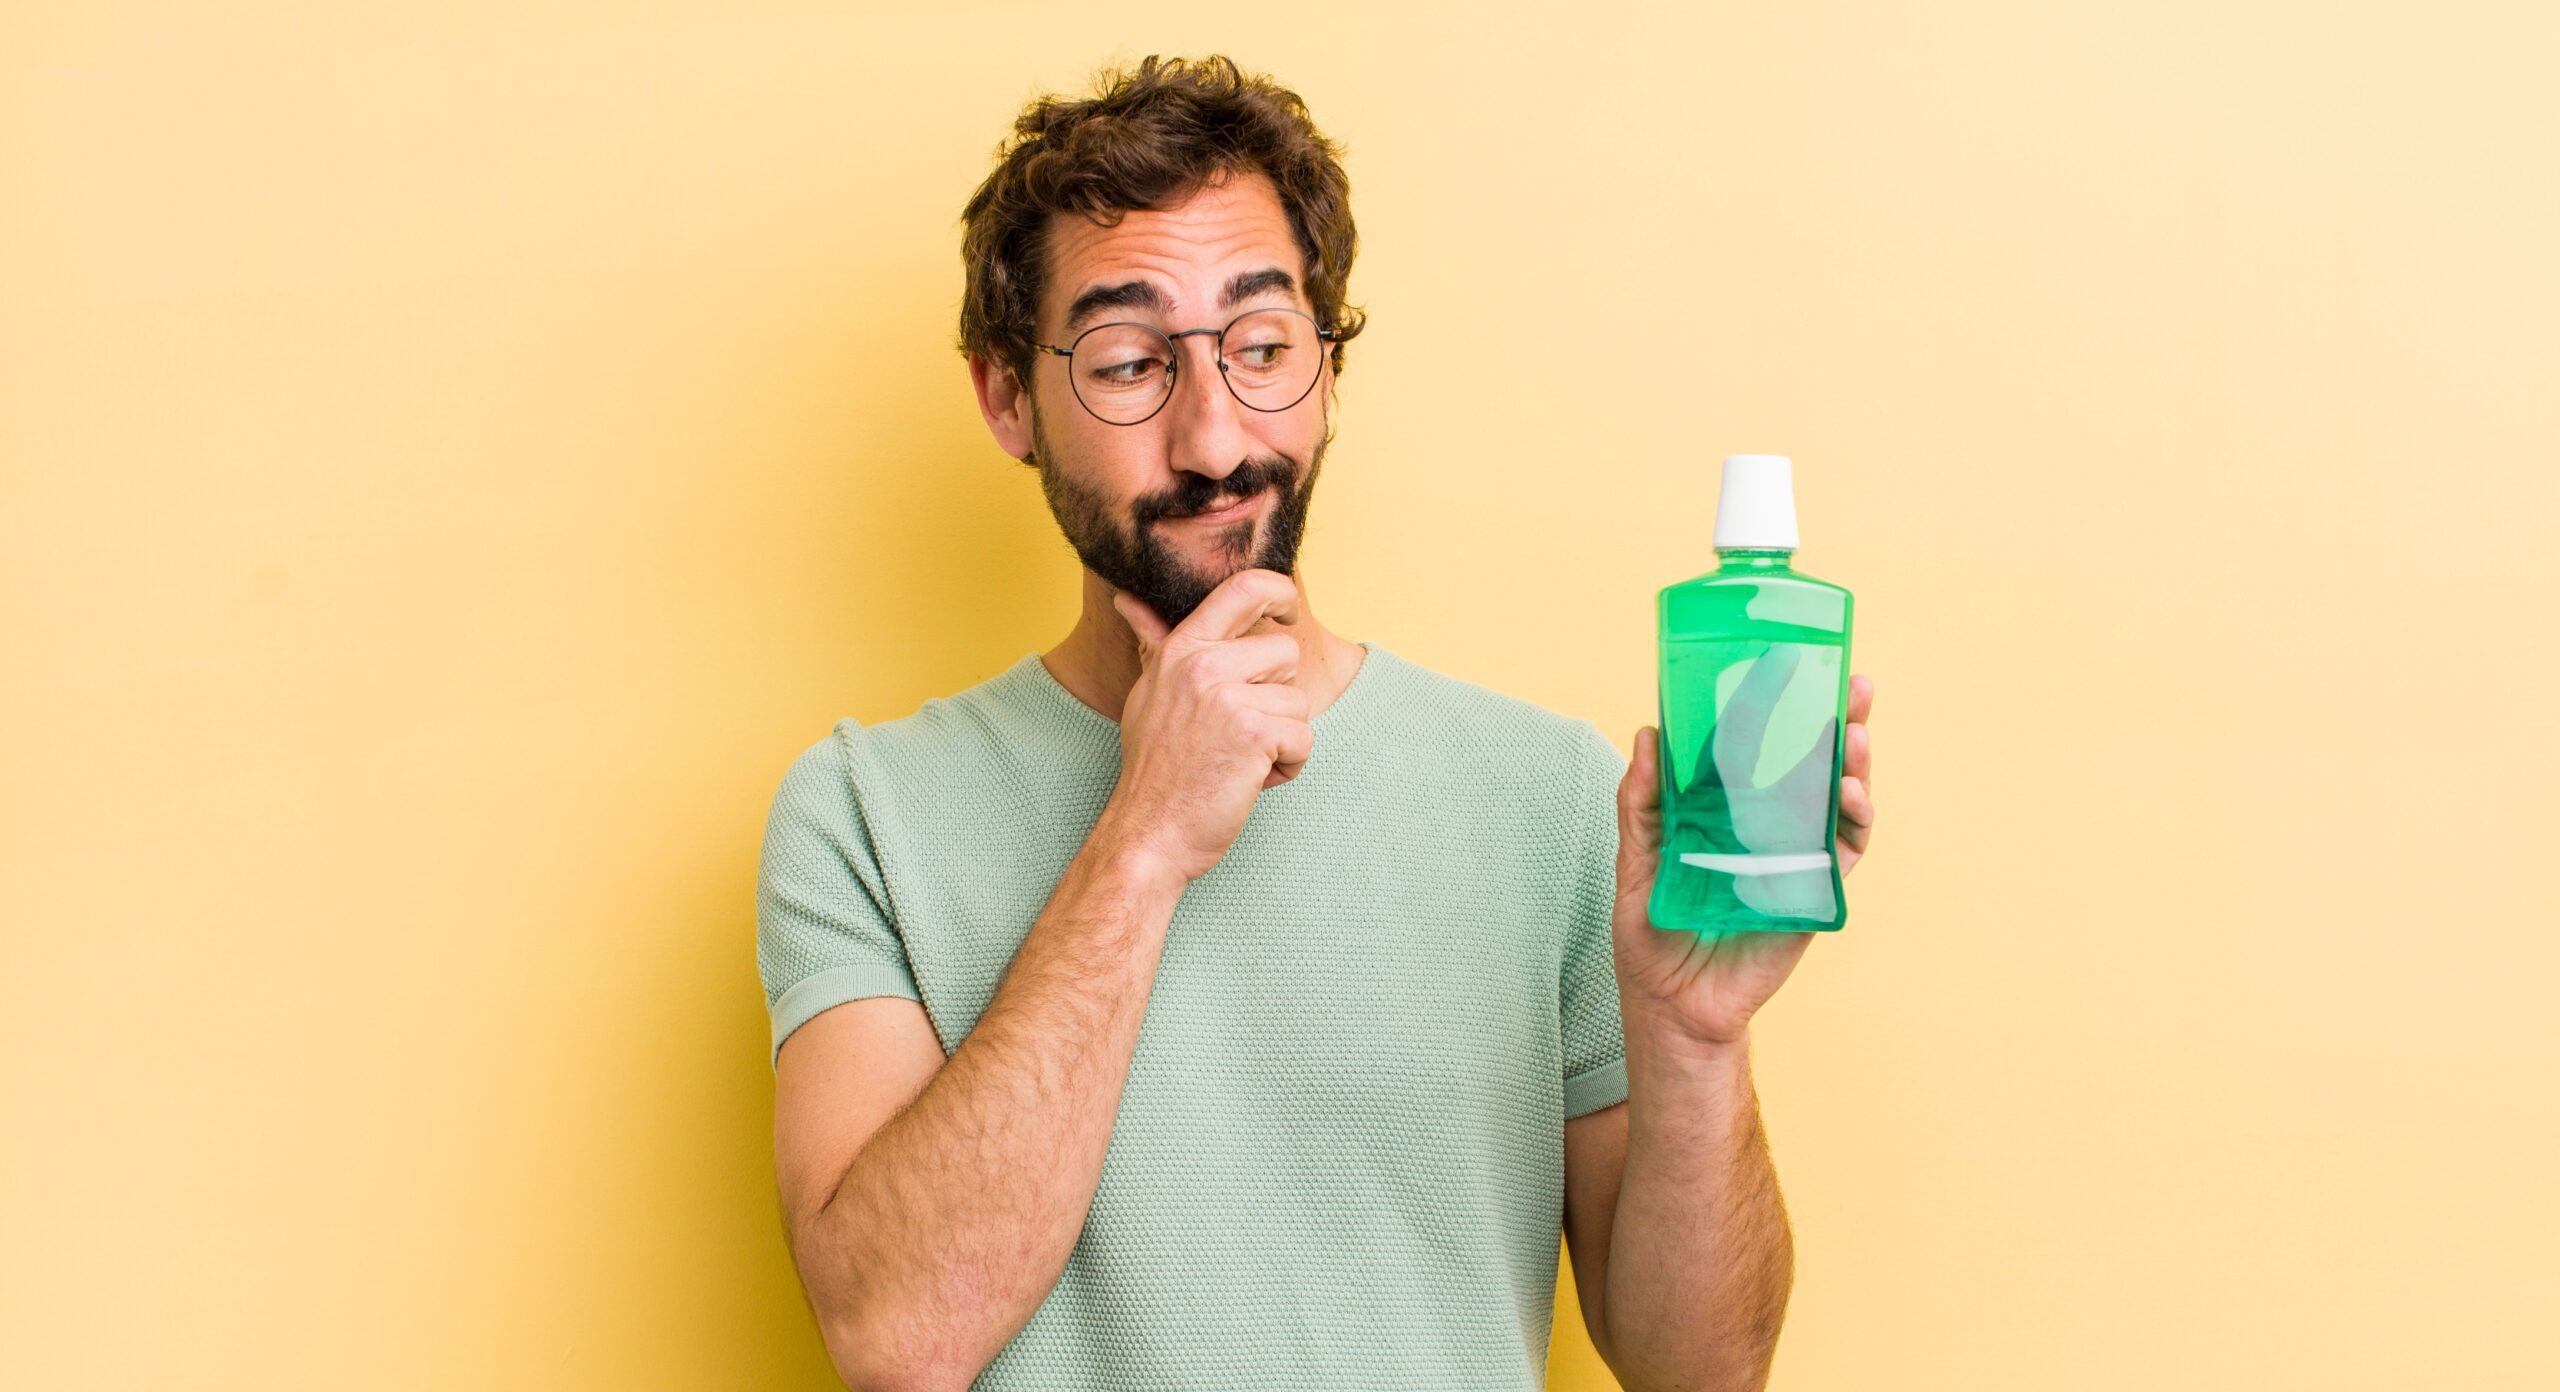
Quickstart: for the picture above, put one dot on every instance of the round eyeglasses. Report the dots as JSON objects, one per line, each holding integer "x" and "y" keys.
{"x": 1124, "y": 372}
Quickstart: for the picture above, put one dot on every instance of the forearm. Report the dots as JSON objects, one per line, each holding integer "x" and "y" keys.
{"x": 1700, "y": 1257}
{"x": 955, "y": 1219}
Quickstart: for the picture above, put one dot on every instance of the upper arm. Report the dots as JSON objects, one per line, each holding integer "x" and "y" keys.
{"x": 840, "y": 1077}
{"x": 1595, "y": 1154}
{"x": 1595, "y": 1128}
{"x": 851, "y": 1040}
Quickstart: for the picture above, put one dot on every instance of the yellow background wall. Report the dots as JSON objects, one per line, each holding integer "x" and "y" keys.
{"x": 456, "y": 454}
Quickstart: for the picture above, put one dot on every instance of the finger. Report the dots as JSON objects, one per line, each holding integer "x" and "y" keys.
{"x": 1855, "y": 837}
{"x": 1265, "y": 657}
{"x": 1237, "y": 602}
{"x": 1810, "y": 768}
{"x": 1862, "y": 697}
{"x": 1856, "y": 803}
{"x": 1291, "y": 742}
{"x": 1640, "y": 805}
{"x": 1861, "y": 756}
{"x": 1277, "y": 698}
{"x": 1141, "y": 618}
{"x": 1639, "y": 789}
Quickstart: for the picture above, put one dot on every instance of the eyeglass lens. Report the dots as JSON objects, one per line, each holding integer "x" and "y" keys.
{"x": 1124, "y": 372}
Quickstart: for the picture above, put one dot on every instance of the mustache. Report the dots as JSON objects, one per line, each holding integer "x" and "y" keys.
{"x": 1197, "y": 493}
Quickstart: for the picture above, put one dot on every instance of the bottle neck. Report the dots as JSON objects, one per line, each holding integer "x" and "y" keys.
{"x": 1753, "y": 557}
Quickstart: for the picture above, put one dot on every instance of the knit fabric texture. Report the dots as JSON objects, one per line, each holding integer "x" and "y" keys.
{"x": 1338, "y": 1161}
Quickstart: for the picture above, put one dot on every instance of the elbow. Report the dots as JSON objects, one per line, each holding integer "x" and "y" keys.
{"x": 869, "y": 1357}
{"x": 885, "y": 1332}
{"x": 870, "y": 1342}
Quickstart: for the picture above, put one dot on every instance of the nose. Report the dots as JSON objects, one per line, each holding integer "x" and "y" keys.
{"x": 1206, "y": 423}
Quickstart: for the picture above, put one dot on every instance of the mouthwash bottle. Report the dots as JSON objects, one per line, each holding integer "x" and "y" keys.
{"x": 1755, "y": 693}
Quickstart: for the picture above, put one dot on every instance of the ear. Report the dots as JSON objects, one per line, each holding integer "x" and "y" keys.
{"x": 1004, "y": 404}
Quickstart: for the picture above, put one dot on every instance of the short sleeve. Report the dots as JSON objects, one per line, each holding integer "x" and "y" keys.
{"x": 1595, "y": 1046}
{"x": 824, "y": 934}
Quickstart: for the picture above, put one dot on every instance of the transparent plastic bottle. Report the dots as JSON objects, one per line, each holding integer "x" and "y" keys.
{"x": 1754, "y": 695}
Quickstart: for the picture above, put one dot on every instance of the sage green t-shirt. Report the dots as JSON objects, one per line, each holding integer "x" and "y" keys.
{"x": 1338, "y": 1160}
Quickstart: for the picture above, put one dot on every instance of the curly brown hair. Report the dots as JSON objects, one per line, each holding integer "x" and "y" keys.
{"x": 1147, "y": 140}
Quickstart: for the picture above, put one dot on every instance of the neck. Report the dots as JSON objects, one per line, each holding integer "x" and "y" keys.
{"x": 1097, "y": 662}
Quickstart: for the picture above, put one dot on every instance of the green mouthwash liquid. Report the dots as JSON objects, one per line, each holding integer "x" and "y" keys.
{"x": 1755, "y": 693}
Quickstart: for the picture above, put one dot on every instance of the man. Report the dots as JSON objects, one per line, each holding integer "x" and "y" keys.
{"x": 1211, "y": 1001}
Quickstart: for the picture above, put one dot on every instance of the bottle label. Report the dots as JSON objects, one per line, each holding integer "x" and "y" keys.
{"x": 1749, "y": 737}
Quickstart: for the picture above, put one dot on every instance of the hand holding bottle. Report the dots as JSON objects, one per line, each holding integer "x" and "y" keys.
{"x": 1703, "y": 989}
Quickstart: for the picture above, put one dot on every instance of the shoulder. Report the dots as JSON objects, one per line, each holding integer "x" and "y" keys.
{"x": 988, "y": 759}
{"x": 994, "y": 723}
{"x": 842, "y": 788}
{"x": 814, "y": 784}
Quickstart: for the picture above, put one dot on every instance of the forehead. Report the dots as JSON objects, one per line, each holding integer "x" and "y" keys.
{"x": 1190, "y": 249}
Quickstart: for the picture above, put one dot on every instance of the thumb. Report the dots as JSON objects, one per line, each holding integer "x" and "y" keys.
{"x": 1639, "y": 801}
{"x": 1143, "y": 622}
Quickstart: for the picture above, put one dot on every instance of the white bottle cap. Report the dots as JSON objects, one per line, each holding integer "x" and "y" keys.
{"x": 1757, "y": 504}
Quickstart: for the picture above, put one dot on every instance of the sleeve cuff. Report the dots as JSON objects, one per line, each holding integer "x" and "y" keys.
{"x": 1595, "y": 1088}
{"x": 835, "y": 986}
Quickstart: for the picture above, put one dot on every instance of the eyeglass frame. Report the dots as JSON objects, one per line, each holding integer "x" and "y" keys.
{"x": 1173, "y": 362}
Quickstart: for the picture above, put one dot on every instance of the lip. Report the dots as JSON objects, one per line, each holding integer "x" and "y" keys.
{"x": 1234, "y": 513}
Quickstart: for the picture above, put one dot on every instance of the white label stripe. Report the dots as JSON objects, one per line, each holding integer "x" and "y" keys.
{"x": 1758, "y": 864}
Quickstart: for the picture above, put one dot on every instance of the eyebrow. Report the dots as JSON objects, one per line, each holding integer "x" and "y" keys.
{"x": 1143, "y": 294}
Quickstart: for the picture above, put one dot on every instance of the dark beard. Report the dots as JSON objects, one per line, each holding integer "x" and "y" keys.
{"x": 1135, "y": 558}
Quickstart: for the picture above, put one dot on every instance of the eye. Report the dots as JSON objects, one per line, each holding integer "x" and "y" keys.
{"x": 1128, "y": 373}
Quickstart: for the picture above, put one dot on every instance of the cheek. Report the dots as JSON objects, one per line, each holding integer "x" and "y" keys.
{"x": 1109, "y": 469}
{"x": 1293, "y": 433}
